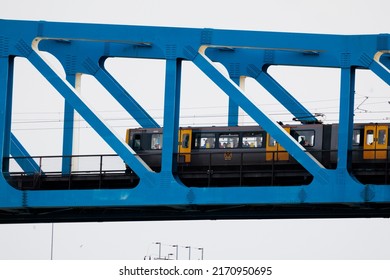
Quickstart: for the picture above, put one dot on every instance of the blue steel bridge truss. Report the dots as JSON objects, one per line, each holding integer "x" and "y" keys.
{"x": 83, "y": 48}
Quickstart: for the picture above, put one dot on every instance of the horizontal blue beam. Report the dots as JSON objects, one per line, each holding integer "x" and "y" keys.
{"x": 157, "y": 37}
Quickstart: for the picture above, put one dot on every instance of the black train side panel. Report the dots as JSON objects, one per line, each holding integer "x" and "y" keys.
{"x": 249, "y": 156}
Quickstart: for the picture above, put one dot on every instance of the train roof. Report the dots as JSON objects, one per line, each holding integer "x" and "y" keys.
{"x": 245, "y": 128}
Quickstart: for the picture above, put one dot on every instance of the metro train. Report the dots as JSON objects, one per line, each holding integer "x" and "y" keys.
{"x": 249, "y": 156}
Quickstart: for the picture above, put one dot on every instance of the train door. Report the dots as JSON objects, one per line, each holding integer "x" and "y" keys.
{"x": 375, "y": 142}
{"x": 274, "y": 151}
{"x": 185, "y": 136}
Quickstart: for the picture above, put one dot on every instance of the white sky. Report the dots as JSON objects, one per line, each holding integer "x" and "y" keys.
{"x": 258, "y": 239}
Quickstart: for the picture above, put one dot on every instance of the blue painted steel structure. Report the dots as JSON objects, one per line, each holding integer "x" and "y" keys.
{"x": 83, "y": 48}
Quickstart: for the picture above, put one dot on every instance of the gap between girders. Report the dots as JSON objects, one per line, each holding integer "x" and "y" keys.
{"x": 298, "y": 152}
{"x": 120, "y": 147}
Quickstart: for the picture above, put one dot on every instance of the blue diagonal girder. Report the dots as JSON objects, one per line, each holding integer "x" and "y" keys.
{"x": 285, "y": 98}
{"x": 22, "y": 157}
{"x": 234, "y": 92}
{"x": 385, "y": 59}
{"x": 123, "y": 150}
{"x": 380, "y": 71}
{"x": 90, "y": 60}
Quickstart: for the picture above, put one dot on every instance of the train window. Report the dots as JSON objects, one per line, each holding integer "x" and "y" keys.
{"x": 136, "y": 142}
{"x": 272, "y": 142}
{"x": 185, "y": 140}
{"x": 381, "y": 137}
{"x": 370, "y": 137}
{"x": 157, "y": 140}
{"x": 252, "y": 140}
{"x": 356, "y": 137}
{"x": 204, "y": 140}
{"x": 228, "y": 141}
{"x": 305, "y": 137}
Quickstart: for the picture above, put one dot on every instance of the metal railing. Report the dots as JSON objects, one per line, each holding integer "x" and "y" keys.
{"x": 78, "y": 164}
{"x": 207, "y": 168}
{"x": 82, "y": 172}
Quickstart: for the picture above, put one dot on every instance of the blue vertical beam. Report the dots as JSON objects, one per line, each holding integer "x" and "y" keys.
{"x": 12, "y": 146}
{"x": 285, "y": 98}
{"x": 233, "y": 107}
{"x": 347, "y": 92}
{"x": 68, "y": 131}
{"x": 171, "y": 115}
{"x": 286, "y": 140}
{"x": 8, "y": 196}
{"x": 6, "y": 79}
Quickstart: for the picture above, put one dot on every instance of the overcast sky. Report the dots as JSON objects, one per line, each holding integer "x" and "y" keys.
{"x": 257, "y": 239}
